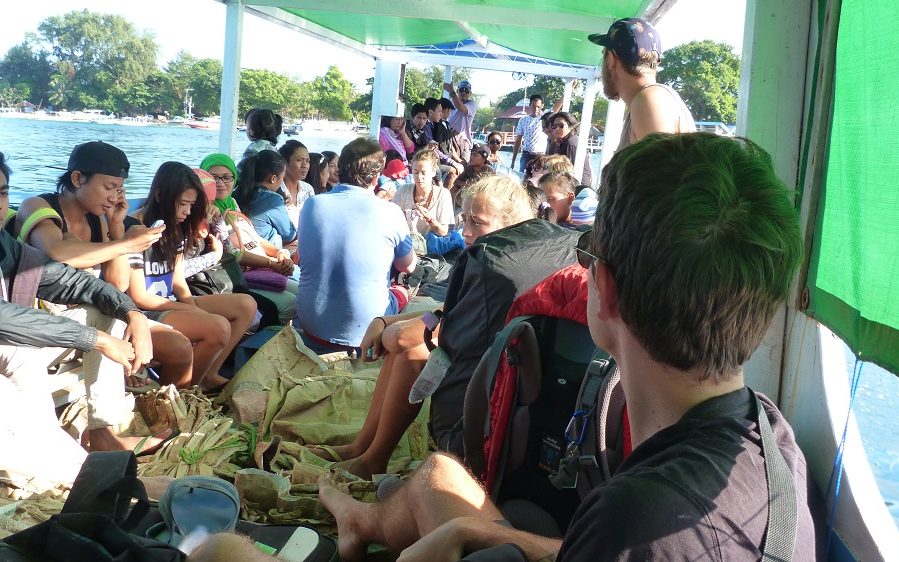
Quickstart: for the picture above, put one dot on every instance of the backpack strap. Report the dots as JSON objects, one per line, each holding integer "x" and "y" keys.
{"x": 476, "y": 407}
{"x": 23, "y": 289}
{"x": 780, "y": 536}
{"x": 590, "y": 428}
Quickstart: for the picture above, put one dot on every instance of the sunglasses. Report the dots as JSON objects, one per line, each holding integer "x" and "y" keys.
{"x": 466, "y": 90}
{"x": 585, "y": 258}
{"x": 496, "y": 141}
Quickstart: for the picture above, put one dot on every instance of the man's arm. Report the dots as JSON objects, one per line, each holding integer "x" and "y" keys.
{"x": 37, "y": 328}
{"x": 406, "y": 263}
{"x": 63, "y": 284}
{"x": 651, "y": 112}
{"x": 454, "y": 97}
{"x": 47, "y": 237}
{"x": 515, "y": 148}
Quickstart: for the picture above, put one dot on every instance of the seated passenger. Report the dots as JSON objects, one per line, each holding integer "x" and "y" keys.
{"x": 113, "y": 336}
{"x": 318, "y": 173}
{"x": 263, "y": 130}
{"x": 395, "y": 174}
{"x": 82, "y": 225}
{"x": 494, "y": 143}
{"x": 438, "y": 131}
{"x": 415, "y": 126}
{"x": 257, "y": 194}
{"x": 427, "y": 207}
{"x": 488, "y": 205}
{"x": 252, "y": 251}
{"x": 564, "y": 139}
{"x": 392, "y": 136}
{"x": 349, "y": 239}
{"x": 332, "y": 160}
{"x": 296, "y": 158}
{"x": 213, "y": 323}
{"x": 476, "y": 168}
{"x": 223, "y": 170}
{"x": 559, "y": 189}
{"x": 695, "y": 486}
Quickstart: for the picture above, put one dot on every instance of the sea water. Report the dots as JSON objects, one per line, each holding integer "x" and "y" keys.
{"x": 32, "y": 146}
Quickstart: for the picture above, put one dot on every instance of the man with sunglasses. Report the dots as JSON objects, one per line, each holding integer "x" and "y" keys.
{"x": 693, "y": 251}
{"x": 529, "y": 135}
{"x": 462, "y": 117}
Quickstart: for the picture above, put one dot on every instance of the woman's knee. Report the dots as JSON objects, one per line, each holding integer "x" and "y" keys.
{"x": 219, "y": 330}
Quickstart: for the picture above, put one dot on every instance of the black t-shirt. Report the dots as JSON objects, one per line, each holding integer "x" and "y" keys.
{"x": 693, "y": 491}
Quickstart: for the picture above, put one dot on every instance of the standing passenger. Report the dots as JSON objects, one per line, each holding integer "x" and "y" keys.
{"x": 630, "y": 59}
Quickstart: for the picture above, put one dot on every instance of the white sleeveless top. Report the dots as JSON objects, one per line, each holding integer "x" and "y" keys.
{"x": 683, "y": 121}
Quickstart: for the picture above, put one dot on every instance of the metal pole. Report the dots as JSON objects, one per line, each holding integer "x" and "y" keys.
{"x": 566, "y": 97}
{"x": 583, "y": 136}
{"x": 231, "y": 74}
{"x": 612, "y": 134}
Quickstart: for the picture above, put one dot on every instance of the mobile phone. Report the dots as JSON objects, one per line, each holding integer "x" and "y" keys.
{"x": 157, "y": 223}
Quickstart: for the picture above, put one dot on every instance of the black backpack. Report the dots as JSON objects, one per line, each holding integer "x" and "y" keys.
{"x": 486, "y": 278}
{"x": 96, "y": 521}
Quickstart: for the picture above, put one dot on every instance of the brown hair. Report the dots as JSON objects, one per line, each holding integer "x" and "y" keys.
{"x": 361, "y": 162}
{"x": 702, "y": 240}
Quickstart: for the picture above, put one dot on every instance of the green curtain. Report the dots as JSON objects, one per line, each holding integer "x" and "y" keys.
{"x": 854, "y": 274}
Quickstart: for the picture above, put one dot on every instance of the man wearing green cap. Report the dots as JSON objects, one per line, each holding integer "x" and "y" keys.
{"x": 630, "y": 61}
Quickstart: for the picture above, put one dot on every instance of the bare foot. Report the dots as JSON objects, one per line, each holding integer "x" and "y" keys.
{"x": 361, "y": 467}
{"x": 342, "y": 452}
{"x": 350, "y": 516}
{"x": 103, "y": 439}
{"x": 213, "y": 382}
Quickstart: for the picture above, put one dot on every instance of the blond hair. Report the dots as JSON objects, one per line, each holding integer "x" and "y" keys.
{"x": 426, "y": 155}
{"x": 505, "y": 196}
{"x": 558, "y": 163}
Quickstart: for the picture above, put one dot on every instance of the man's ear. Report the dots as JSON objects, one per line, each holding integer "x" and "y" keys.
{"x": 77, "y": 178}
{"x": 570, "y": 197}
{"x": 607, "y": 291}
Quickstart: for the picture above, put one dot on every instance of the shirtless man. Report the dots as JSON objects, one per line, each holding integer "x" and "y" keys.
{"x": 631, "y": 57}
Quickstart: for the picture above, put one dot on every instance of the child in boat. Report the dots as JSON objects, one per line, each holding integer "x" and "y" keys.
{"x": 263, "y": 130}
{"x": 258, "y": 195}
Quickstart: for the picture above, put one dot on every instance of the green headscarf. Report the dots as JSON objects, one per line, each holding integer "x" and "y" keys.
{"x": 219, "y": 159}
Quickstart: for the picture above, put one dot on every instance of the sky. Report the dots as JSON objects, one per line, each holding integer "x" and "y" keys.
{"x": 176, "y": 25}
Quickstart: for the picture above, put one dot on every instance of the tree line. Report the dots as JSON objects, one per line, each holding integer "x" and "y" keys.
{"x": 86, "y": 60}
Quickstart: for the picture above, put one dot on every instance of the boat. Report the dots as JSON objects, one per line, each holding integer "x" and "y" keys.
{"x": 810, "y": 109}
{"x": 289, "y": 130}
{"x": 212, "y": 123}
{"x": 787, "y": 105}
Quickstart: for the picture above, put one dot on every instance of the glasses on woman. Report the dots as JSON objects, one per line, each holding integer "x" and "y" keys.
{"x": 227, "y": 178}
{"x": 584, "y": 257}
{"x": 495, "y": 141}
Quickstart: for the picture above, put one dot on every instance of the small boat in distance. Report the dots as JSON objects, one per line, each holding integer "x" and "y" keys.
{"x": 212, "y": 123}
